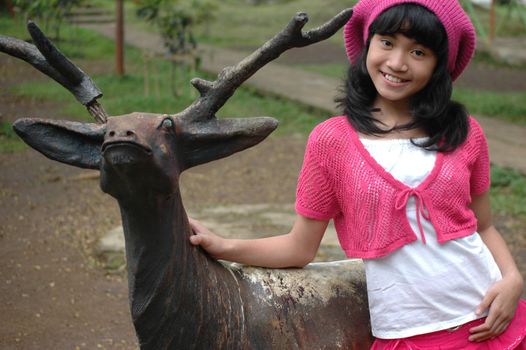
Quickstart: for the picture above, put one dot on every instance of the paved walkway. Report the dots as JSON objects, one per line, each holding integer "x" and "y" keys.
{"x": 507, "y": 142}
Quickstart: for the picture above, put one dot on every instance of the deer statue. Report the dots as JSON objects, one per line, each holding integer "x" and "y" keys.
{"x": 181, "y": 298}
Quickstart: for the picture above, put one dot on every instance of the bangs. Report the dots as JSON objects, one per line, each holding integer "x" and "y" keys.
{"x": 415, "y": 22}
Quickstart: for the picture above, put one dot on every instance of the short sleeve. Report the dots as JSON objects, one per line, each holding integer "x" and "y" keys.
{"x": 480, "y": 174}
{"x": 315, "y": 197}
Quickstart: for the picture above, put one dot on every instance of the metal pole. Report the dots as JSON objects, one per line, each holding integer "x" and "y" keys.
{"x": 10, "y": 9}
{"x": 492, "y": 22}
{"x": 119, "y": 38}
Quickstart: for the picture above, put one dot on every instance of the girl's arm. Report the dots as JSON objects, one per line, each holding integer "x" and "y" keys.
{"x": 501, "y": 299}
{"x": 294, "y": 249}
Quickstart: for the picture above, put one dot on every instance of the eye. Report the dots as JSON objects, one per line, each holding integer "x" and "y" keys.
{"x": 418, "y": 53}
{"x": 167, "y": 123}
{"x": 386, "y": 43}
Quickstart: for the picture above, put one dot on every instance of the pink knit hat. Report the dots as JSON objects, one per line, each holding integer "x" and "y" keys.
{"x": 460, "y": 32}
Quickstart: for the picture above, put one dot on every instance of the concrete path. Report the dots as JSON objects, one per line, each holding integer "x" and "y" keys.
{"x": 507, "y": 142}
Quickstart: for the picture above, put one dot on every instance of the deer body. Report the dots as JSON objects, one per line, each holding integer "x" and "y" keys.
{"x": 181, "y": 298}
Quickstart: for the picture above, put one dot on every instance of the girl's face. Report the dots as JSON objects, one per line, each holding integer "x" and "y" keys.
{"x": 399, "y": 67}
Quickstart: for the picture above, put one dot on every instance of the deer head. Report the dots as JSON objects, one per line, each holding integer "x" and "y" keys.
{"x": 152, "y": 147}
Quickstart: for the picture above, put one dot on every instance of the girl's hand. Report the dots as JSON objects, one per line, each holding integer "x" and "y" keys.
{"x": 501, "y": 299}
{"x": 209, "y": 241}
{"x": 294, "y": 249}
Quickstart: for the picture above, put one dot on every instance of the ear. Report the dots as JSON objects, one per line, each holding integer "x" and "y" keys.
{"x": 68, "y": 142}
{"x": 219, "y": 138}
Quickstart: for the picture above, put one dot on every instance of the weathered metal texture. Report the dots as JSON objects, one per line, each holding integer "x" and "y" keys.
{"x": 180, "y": 298}
{"x": 322, "y": 306}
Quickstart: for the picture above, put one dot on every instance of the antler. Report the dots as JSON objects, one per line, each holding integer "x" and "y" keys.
{"x": 215, "y": 94}
{"x": 45, "y": 57}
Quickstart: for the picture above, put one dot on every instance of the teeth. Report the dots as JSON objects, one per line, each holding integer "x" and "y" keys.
{"x": 392, "y": 78}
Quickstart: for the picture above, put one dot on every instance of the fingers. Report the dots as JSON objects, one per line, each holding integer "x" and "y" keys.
{"x": 486, "y": 332}
{"x": 206, "y": 239}
{"x": 196, "y": 240}
{"x": 486, "y": 301}
{"x": 494, "y": 325}
{"x": 200, "y": 231}
{"x": 496, "y": 322}
{"x": 196, "y": 225}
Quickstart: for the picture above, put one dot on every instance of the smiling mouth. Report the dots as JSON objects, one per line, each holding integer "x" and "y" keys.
{"x": 393, "y": 79}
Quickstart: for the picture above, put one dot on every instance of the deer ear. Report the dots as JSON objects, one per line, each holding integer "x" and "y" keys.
{"x": 68, "y": 142}
{"x": 219, "y": 138}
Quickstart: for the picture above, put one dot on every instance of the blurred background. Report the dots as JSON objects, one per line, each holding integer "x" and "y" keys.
{"x": 62, "y": 275}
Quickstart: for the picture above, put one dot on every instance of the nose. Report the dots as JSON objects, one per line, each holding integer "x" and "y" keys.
{"x": 125, "y": 134}
{"x": 397, "y": 61}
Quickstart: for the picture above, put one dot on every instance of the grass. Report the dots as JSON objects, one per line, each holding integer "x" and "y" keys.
{"x": 9, "y": 141}
{"x": 261, "y": 22}
{"x": 258, "y": 23}
{"x": 126, "y": 94}
{"x": 509, "y": 106}
{"x": 76, "y": 42}
{"x": 293, "y": 118}
{"x": 508, "y": 192}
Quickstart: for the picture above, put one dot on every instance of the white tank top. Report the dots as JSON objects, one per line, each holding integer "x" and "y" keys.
{"x": 422, "y": 288}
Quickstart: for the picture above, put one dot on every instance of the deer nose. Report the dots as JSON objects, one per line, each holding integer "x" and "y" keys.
{"x": 122, "y": 134}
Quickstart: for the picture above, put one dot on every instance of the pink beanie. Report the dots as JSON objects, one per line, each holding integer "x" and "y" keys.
{"x": 460, "y": 32}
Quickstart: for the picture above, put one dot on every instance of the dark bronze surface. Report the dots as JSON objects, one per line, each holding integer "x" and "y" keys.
{"x": 180, "y": 298}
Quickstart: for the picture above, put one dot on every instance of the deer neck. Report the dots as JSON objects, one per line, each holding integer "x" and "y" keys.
{"x": 172, "y": 284}
{"x": 157, "y": 251}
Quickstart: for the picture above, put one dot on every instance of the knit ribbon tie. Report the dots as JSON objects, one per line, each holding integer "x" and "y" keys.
{"x": 421, "y": 209}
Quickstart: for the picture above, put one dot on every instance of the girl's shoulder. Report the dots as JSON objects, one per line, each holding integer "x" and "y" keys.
{"x": 331, "y": 133}
{"x": 474, "y": 125}
{"x": 332, "y": 128}
{"x": 475, "y": 131}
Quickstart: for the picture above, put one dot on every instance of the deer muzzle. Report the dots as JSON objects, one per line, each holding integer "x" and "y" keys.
{"x": 125, "y": 152}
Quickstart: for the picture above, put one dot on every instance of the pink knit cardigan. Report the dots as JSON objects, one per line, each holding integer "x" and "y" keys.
{"x": 340, "y": 180}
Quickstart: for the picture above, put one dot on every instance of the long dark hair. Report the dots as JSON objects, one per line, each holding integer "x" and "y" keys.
{"x": 445, "y": 121}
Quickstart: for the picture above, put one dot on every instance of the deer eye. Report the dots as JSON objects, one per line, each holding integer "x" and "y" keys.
{"x": 167, "y": 123}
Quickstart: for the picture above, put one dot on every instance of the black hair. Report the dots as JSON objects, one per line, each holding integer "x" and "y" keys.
{"x": 445, "y": 121}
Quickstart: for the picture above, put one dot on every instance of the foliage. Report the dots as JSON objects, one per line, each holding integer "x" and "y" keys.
{"x": 175, "y": 20}
{"x": 46, "y": 11}
{"x": 508, "y": 191}
{"x": 76, "y": 43}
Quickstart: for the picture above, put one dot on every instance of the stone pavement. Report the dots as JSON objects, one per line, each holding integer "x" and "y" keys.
{"x": 507, "y": 142}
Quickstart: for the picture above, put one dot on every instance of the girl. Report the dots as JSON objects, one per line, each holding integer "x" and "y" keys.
{"x": 405, "y": 176}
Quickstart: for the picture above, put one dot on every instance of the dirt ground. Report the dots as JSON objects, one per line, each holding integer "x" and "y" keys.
{"x": 54, "y": 294}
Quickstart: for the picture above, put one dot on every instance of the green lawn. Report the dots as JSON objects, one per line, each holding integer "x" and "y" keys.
{"x": 508, "y": 192}
{"x": 126, "y": 94}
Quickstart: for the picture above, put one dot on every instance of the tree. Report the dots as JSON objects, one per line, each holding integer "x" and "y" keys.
{"x": 175, "y": 20}
{"x": 50, "y": 12}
